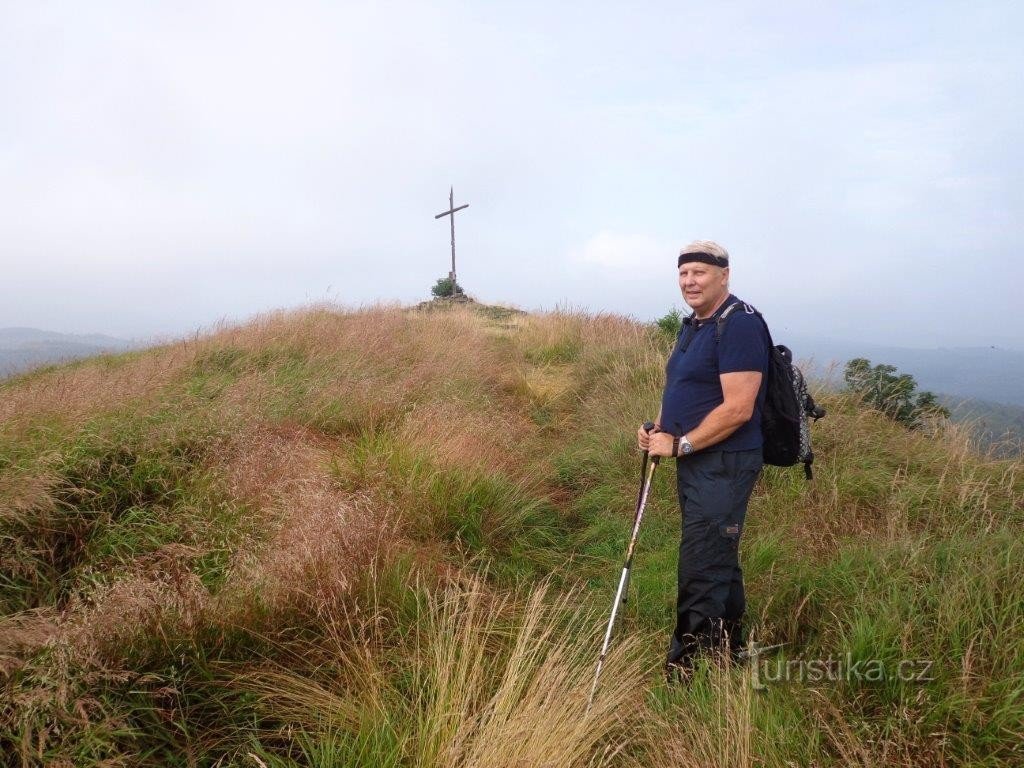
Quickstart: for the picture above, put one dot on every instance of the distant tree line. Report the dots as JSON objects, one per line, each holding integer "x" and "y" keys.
{"x": 894, "y": 394}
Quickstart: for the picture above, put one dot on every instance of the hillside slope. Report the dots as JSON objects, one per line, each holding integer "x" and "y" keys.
{"x": 387, "y": 537}
{"x": 25, "y": 348}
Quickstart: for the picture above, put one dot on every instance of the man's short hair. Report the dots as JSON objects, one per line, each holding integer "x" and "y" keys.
{"x": 707, "y": 251}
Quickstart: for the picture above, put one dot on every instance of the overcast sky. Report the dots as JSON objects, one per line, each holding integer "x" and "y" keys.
{"x": 167, "y": 165}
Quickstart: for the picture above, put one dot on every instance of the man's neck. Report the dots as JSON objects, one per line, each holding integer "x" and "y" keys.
{"x": 714, "y": 309}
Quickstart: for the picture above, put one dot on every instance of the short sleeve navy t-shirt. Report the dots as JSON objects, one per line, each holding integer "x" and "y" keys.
{"x": 692, "y": 385}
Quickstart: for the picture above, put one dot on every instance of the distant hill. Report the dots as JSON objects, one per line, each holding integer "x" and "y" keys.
{"x": 25, "y": 348}
{"x": 999, "y": 426}
{"x": 993, "y": 374}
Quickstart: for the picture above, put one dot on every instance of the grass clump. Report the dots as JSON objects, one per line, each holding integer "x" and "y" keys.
{"x": 474, "y": 679}
{"x": 113, "y": 494}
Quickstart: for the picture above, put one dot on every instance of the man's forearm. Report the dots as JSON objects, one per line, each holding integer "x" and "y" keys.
{"x": 716, "y": 426}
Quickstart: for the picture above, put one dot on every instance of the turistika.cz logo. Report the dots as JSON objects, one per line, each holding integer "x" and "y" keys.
{"x": 830, "y": 670}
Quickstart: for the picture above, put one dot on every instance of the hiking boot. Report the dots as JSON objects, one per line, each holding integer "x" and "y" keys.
{"x": 678, "y": 672}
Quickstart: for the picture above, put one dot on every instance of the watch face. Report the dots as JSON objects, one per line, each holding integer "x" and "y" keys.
{"x": 687, "y": 448}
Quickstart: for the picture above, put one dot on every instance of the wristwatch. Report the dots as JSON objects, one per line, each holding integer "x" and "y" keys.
{"x": 682, "y": 447}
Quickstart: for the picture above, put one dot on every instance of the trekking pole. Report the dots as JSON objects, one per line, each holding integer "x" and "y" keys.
{"x": 646, "y": 475}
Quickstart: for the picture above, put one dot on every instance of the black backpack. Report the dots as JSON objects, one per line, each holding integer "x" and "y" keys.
{"x": 788, "y": 405}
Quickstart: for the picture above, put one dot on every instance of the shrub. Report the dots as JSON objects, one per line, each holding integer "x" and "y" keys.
{"x": 443, "y": 288}
{"x": 670, "y": 323}
{"x": 893, "y": 394}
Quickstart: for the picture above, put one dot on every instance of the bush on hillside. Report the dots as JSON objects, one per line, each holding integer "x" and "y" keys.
{"x": 893, "y": 394}
{"x": 670, "y": 323}
{"x": 443, "y": 288}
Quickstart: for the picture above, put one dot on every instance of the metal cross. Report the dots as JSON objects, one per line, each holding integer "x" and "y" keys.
{"x": 451, "y": 212}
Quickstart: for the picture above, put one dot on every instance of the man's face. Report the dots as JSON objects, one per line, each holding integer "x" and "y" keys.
{"x": 702, "y": 285}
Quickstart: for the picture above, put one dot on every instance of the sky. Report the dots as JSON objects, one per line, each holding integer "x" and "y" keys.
{"x": 170, "y": 165}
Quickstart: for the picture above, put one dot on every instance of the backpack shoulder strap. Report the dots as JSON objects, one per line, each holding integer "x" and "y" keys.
{"x": 720, "y": 323}
{"x": 683, "y": 339}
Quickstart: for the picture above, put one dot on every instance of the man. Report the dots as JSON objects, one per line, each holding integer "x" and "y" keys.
{"x": 710, "y": 419}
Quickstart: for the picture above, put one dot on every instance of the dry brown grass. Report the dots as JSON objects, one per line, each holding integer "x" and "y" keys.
{"x": 381, "y": 363}
{"x": 721, "y": 734}
{"x": 472, "y": 439}
{"x": 72, "y": 394}
{"x": 24, "y": 490}
{"x": 320, "y": 537}
{"x": 601, "y": 331}
{"x": 494, "y": 683}
{"x": 162, "y": 595}
{"x": 316, "y": 540}
{"x": 876, "y": 480}
{"x": 22, "y": 634}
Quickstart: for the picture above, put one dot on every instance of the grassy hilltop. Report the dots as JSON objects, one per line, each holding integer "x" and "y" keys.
{"x": 388, "y": 537}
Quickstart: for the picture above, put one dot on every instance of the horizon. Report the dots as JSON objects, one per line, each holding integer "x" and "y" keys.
{"x": 213, "y": 326}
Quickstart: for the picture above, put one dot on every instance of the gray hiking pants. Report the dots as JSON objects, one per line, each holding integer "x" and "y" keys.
{"x": 714, "y": 488}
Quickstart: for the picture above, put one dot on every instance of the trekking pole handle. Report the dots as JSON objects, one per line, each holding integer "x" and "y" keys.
{"x": 650, "y": 426}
